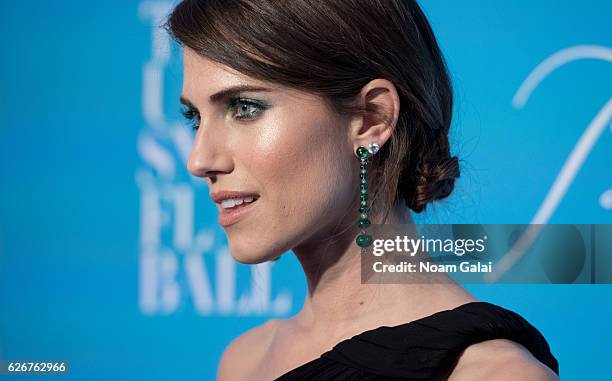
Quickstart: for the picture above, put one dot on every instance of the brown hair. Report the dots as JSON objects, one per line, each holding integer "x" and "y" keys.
{"x": 333, "y": 49}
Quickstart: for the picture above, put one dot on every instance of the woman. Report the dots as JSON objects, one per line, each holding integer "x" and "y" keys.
{"x": 286, "y": 97}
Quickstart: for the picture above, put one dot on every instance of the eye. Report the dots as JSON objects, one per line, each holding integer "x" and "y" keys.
{"x": 246, "y": 109}
{"x": 192, "y": 116}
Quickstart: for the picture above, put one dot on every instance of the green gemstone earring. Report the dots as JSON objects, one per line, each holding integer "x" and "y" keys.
{"x": 364, "y": 240}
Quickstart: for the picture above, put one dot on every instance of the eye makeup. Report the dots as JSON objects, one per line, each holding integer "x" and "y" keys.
{"x": 241, "y": 109}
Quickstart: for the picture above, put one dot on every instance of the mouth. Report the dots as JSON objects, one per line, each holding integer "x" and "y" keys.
{"x": 232, "y": 210}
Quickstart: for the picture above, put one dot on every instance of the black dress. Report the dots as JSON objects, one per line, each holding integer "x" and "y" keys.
{"x": 424, "y": 349}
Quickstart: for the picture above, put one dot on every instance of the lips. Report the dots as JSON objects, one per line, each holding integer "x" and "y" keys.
{"x": 219, "y": 196}
{"x": 233, "y": 205}
{"x": 231, "y": 216}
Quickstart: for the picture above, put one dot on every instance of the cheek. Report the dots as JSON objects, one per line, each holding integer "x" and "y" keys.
{"x": 303, "y": 172}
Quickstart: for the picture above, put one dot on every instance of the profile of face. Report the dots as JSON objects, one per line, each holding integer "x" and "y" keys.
{"x": 285, "y": 149}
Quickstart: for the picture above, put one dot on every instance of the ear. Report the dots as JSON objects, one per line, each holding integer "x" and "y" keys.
{"x": 378, "y": 94}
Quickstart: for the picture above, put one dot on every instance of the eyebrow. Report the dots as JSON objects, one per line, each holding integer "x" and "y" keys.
{"x": 227, "y": 93}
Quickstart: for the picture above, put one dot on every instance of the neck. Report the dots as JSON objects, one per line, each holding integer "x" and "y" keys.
{"x": 337, "y": 300}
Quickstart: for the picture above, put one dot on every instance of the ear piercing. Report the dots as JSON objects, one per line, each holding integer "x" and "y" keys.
{"x": 364, "y": 240}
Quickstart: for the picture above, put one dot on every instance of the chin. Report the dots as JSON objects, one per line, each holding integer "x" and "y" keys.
{"x": 251, "y": 254}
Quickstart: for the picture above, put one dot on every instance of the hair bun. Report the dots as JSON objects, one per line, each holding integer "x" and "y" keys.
{"x": 435, "y": 180}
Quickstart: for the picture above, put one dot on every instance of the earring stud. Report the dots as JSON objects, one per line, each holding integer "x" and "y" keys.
{"x": 373, "y": 148}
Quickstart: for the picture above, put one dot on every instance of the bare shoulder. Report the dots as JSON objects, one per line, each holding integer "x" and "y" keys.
{"x": 500, "y": 360}
{"x": 245, "y": 352}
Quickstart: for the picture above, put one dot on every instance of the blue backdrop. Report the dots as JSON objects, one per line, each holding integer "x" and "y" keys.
{"x": 110, "y": 253}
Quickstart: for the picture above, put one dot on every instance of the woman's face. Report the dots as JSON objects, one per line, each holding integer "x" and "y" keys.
{"x": 282, "y": 148}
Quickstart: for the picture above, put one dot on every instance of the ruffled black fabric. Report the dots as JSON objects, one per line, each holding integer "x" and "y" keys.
{"x": 424, "y": 349}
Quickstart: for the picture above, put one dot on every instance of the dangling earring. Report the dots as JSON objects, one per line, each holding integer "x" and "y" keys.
{"x": 364, "y": 240}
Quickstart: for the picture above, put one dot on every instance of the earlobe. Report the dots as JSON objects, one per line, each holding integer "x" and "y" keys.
{"x": 380, "y": 100}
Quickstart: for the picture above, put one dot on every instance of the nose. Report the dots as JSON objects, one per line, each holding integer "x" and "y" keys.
{"x": 209, "y": 157}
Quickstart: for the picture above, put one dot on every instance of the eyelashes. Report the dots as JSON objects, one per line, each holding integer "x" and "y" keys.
{"x": 242, "y": 109}
{"x": 192, "y": 116}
